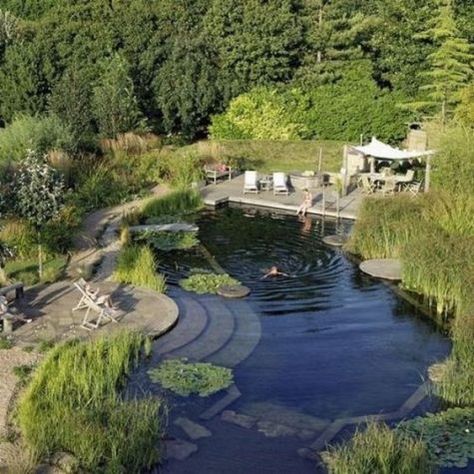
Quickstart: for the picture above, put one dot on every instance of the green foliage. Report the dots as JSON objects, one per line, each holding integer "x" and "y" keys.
{"x": 464, "y": 112}
{"x": 381, "y": 450}
{"x": 41, "y": 134}
{"x": 114, "y": 103}
{"x": 170, "y": 240}
{"x": 186, "y": 378}
{"x": 5, "y": 343}
{"x": 73, "y": 400}
{"x": 207, "y": 282}
{"x": 177, "y": 203}
{"x": 136, "y": 266}
{"x": 181, "y": 168}
{"x": 448, "y": 435}
{"x": 23, "y": 372}
{"x": 45, "y": 345}
{"x": 331, "y": 111}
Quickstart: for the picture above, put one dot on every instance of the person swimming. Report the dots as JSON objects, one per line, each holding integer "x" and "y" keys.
{"x": 273, "y": 272}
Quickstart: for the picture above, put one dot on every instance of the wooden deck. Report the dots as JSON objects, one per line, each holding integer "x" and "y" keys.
{"x": 232, "y": 191}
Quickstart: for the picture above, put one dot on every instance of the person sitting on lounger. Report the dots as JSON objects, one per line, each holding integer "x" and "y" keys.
{"x": 99, "y": 299}
{"x": 4, "y": 311}
{"x": 306, "y": 204}
{"x": 273, "y": 272}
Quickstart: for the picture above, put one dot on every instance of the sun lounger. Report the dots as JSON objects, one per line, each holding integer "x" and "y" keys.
{"x": 86, "y": 302}
{"x": 250, "y": 182}
{"x": 280, "y": 184}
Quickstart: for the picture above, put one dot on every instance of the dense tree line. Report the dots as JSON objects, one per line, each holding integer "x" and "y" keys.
{"x": 169, "y": 65}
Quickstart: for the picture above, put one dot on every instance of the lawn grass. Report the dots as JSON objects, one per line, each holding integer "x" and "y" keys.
{"x": 73, "y": 404}
{"x": 136, "y": 265}
{"x": 26, "y": 270}
{"x": 267, "y": 156}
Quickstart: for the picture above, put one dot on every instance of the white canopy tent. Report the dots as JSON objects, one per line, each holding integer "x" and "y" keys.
{"x": 378, "y": 150}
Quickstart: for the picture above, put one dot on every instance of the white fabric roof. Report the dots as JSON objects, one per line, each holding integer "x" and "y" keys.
{"x": 381, "y": 150}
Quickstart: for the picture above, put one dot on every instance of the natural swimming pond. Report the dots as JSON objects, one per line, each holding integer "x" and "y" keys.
{"x": 320, "y": 344}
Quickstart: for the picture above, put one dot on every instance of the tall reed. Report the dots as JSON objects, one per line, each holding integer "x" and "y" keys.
{"x": 176, "y": 203}
{"x": 73, "y": 404}
{"x": 378, "y": 450}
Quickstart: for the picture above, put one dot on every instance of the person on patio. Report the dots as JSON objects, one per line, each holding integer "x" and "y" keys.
{"x": 100, "y": 299}
{"x": 4, "y": 311}
{"x": 273, "y": 272}
{"x": 306, "y": 204}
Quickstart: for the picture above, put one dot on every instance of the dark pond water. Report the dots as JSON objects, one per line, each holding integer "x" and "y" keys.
{"x": 333, "y": 342}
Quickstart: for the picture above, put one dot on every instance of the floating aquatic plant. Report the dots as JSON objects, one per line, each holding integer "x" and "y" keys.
{"x": 207, "y": 282}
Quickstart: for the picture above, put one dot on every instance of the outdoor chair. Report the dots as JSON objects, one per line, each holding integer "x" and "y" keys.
{"x": 388, "y": 187}
{"x": 280, "y": 184}
{"x": 368, "y": 187}
{"x": 406, "y": 179}
{"x": 414, "y": 188}
{"x": 8, "y": 317}
{"x": 86, "y": 302}
{"x": 251, "y": 182}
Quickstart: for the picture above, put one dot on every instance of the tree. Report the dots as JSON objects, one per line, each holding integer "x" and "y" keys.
{"x": 450, "y": 64}
{"x": 114, "y": 103}
{"x": 464, "y": 112}
{"x": 39, "y": 195}
{"x": 71, "y": 101}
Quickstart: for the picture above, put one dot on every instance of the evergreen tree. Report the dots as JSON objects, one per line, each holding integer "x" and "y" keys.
{"x": 114, "y": 103}
{"x": 450, "y": 63}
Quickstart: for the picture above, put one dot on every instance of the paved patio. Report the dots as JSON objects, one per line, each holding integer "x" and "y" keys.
{"x": 232, "y": 191}
{"x": 50, "y": 307}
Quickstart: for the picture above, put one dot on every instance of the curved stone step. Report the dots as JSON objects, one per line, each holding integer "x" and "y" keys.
{"x": 245, "y": 338}
{"x": 192, "y": 322}
{"x": 218, "y": 331}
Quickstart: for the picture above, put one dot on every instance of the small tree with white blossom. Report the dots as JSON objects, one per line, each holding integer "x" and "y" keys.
{"x": 39, "y": 192}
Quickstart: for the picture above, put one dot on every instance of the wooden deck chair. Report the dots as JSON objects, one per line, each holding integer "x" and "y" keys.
{"x": 81, "y": 283}
{"x": 414, "y": 188}
{"x": 280, "y": 185}
{"x": 103, "y": 312}
{"x": 251, "y": 182}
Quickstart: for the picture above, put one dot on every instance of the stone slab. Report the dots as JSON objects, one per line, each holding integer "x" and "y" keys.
{"x": 386, "y": 268}
{"x": 179, "y": 449}
{"x": 244, "y": 421}
{"x": 275, "y": 430}
{"x": 192, "y": 429}
{"x": 233, "y": 291}
{"x": 233, "y": 393}
{"x": 176, "y": 227}
{"x": 335, "y": 240}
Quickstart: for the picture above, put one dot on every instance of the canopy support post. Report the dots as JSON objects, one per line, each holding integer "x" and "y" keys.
{"x": 372, "y": 164}
{"x": 427, "y": 173}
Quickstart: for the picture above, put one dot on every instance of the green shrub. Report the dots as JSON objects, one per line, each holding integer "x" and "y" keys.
{"x": 378, "y": 450}
{"x": 170, "y": 240}
{"x": 33, "y": 133}
{"x": 177, "y": 203}
{"x": 181, "y": 168}
{"x": 23, "y": 372}
{"x": 20, "y": 237}
{"x": 73, "y": 404}
{"x": 26, "y": 270}
{"x": 206, "y": 282}
{"x": 5, "y": 343}
{"x": 136, "y": 266}
{"x": 448, "y": 436}
{"x": 186, "y": 379}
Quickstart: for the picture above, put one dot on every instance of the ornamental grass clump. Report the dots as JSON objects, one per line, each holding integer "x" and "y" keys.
{"x": 378, "y": 450}
{"x": 184, "y": 378}
{"x": 166, "y": 241}
{"x": 136, "y": 265}
{"x": 73, "y": 404}
{"x": 207, "y": 282}
{"x": 177, "y": 203}
{"x": 385, "y": 226}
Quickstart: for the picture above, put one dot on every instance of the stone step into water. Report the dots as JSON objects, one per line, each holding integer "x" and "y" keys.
{"x": 232, "y": 394}
{"x": 191, "y": 324}
{"x": 217, "y": 333}
{"x": 179, "y": 449}
{"x": 192, "y": 429}
{"x": 245, "y": 338}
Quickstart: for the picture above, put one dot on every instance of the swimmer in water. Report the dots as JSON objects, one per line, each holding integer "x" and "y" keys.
{"x": 273, "y": 272}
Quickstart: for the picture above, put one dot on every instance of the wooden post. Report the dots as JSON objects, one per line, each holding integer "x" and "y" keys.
{"x": 372, "y": 164}
{"x": 320, "y": 159}
{"x": 324, "y": 200}
{"x": 427, "y": 173}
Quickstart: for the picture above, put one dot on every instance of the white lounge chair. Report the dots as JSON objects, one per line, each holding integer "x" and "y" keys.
{"x": 280, "y": 185}
{"x": 103, "y": 312}
{"x": 250, "y": 182}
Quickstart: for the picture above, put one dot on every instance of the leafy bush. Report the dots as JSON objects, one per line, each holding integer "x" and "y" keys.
{"x": 136, "y": 266}
{"x": 177, "y": 203}
{"x": 73, "y": 404}
{"x": 186, "y": 379}
{"x": 378, "y": 450}
{"x": 170, "y": 240}
{"x": 33, "y": 133}
{"x": 20, "y": 237}
{"x": 180, "y": 168}
{"x": 448, "y": 436}
{"x": 207, "y": 282}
